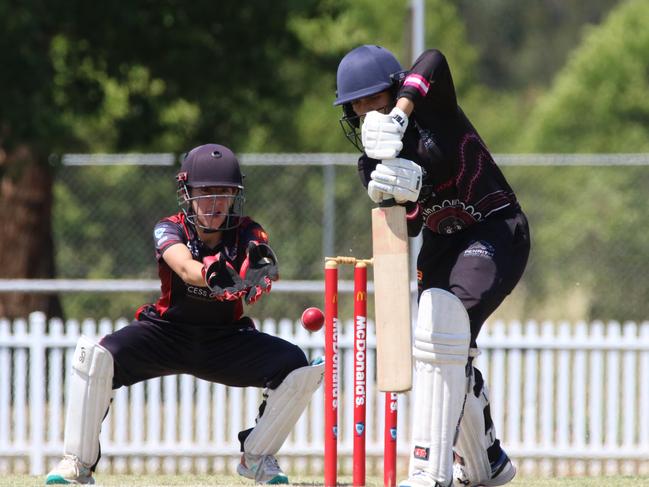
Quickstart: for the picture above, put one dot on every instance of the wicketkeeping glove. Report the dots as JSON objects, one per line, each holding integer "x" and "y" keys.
{"x": 222, "y": 278}
{"x": 381, "y": 134}
{"x": 259, "y": 270}
{"x": 395, "y": 178}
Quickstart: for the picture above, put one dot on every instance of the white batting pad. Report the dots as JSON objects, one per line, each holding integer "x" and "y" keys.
{"x": 284, "y": 407}
{"x": 475, "y": 436}
{"x": 441, "y": 351}
{"x": 90, "y": 391}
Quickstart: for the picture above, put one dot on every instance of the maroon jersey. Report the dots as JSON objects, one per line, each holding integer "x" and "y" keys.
{"x": 186, "y": 303}
{"x": 462, "y": 184}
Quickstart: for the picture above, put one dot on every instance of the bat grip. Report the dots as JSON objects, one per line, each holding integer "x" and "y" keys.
{"x": 387, "y": 203}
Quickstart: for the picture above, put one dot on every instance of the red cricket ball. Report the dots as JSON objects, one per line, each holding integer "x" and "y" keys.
{"x": 312, "y": 319}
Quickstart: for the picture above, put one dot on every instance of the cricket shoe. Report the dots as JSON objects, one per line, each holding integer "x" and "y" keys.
{"x": 421, "y": 478}
{"x": 70, "y": 470}
{"x": 502, "y": 472}
{"x": 263, "y": 469}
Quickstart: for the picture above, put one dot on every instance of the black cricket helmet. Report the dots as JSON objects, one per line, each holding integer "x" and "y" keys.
{"x": 364, "y": 71}
{"x": 210, "y": 165}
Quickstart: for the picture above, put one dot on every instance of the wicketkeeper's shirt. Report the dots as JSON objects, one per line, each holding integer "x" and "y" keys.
{"x": 187, "y": 303}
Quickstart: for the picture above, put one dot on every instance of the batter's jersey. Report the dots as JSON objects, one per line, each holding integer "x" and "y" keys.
{"x": 462, "y": 184}
{"x": 187, "y": 303}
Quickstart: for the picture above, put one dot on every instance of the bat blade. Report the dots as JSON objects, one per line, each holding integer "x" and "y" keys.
{"x": 392, "y": 299}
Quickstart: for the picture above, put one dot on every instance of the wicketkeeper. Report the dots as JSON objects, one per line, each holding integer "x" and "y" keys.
{"x": 211, "y": 259}
{"x": 420, "y": 149}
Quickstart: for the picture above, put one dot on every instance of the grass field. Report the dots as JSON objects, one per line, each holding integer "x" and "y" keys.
{"x": 216, "y": 480}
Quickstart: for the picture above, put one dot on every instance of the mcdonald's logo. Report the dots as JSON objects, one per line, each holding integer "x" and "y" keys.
{"x": 361, "y": 296}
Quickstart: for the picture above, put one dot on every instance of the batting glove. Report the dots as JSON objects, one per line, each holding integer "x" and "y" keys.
{"x": 375, "y": 193}
{"x": 381, "y": 134}
{"x": 222, "y": 278}
{"x": 259, "y": 270}
{"x": 396, "y": 178}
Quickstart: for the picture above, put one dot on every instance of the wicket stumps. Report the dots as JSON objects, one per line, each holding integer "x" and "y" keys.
{"x": 360, "y": 377}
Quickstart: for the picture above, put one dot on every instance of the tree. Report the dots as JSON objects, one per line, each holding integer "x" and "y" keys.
{"x": 598, "y": 103}
{"x": 334, "y": 27}
{"x": 523, "y": 44}
{"x": 150, "y": 77}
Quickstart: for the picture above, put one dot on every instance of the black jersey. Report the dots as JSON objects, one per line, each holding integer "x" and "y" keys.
{"x": 462, "y": 184}
{"x": 186, "y": 303}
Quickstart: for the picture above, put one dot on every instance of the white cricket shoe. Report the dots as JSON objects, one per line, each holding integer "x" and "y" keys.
{"x": 70, "y": 470}
{"x": 263, "y": 469}
{"x": 502, "y": 472}
{"x": 421, "y": 478}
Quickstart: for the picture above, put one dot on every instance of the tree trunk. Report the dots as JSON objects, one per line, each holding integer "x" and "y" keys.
{"x": 26, "y": 244}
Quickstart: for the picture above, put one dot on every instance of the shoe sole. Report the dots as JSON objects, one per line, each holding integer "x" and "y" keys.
{"x": 58, "y": 480}
{"x": 276, "y": 480}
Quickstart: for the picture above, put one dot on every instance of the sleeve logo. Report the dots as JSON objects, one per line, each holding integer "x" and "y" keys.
{"x": 421, "y": 453}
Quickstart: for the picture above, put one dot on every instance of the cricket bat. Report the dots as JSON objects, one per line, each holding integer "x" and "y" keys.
{"x": 392, "y": 297}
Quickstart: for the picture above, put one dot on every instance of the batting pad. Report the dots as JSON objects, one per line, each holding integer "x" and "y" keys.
{"x": 441, "y": 350}
{"x": 284, "y": 407}
{"x": 476, "y": 434}
{"x": 89, "y": 397}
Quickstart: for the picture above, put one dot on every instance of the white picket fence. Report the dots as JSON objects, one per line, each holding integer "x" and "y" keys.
{"x": 567, "y": 398}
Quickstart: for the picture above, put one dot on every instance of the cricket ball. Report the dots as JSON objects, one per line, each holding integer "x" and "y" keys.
{"x": 312, "y": 319}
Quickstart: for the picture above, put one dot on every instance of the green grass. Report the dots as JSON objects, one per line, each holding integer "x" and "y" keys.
{"x": 220, "y": 480}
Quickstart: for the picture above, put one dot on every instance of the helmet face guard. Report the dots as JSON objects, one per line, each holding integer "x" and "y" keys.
{"x": 215, "y": 167}
{"x": 202, "y": 210}
{"x": 350, "y": 122}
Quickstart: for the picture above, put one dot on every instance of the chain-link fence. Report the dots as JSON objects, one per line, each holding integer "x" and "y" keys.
{"x": 105, "y": 210}
{"x": 590, "y": 239}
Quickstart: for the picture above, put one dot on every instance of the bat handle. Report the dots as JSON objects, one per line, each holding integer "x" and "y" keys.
{"x": 387, "y": 203}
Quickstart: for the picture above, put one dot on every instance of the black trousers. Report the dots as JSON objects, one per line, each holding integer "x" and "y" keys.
{"x": 238, "y": 355}
{"x": 480, "y": 265}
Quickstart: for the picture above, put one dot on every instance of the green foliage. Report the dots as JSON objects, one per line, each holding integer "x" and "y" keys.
{"x": 599, "y": 102}
{"x": 588, "y": 241}
{"x": 337, "y": 26}
{"x": 518, "y": 48}
{"x": 327, "y": 33}
{"x": 123, "y": 223}
{"x": 260, "y": 77}
{"x": 521, "y": 45}
{"x": 103, "y": 224}
{"x": 137, "y": 78}
{"x": 499, "y": 116}
{"x": 446, "y": 31}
